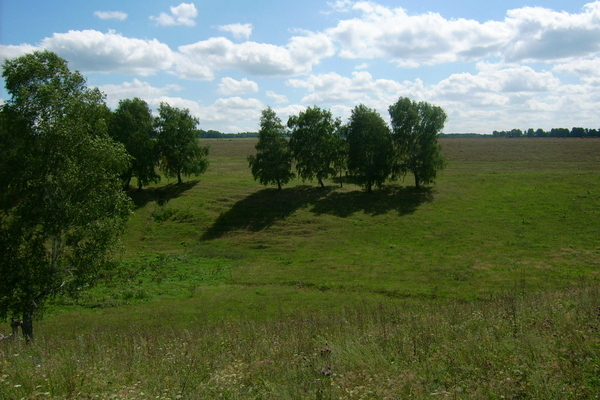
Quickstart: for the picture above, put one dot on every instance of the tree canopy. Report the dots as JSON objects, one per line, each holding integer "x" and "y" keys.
{"x": 181, "y": 154}
{"x": 132, "y": 124}
{"x": 314, "y": 143}
{"x": 416, "y": 126}
{"x": 370, "y": 151}
{"x": 61, "y": 204}
{"x": 272, "y": 163}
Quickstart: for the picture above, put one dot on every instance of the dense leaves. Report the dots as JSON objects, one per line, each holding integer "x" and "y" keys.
{"x": 62, "y": 207}
{"x": 315, "y": 143}
{"x": 416, "y": 127}
{"x": 272, "y": 163}
{"x": 132, "y": 124}
{"x": 370, "y": 151}
{"x": 181, "y": 154}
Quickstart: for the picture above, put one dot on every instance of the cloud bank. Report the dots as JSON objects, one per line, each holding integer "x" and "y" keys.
{"x": 536, "y": 64}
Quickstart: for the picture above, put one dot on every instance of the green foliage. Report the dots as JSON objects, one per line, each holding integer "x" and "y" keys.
{"x": 272, "y": 163}
{"x": 315, "y": 143}
{"x": 132, "y": 125}
{"x": 416, "y": 127}
{"x": 178, "y": 143}
{"x": 370, "y": 151}
{"x": 62, "y": 208}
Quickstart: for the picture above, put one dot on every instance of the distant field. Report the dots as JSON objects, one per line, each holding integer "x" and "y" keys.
{"x": 408, "y": 294}
{"x": 504, "y": 209}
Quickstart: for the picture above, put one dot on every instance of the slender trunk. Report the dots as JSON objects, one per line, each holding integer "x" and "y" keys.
{"x": 321, "y": 183}
{"x": 127, "y": 179}
{"x": 417, "y": 181}
{"x": 179, "y": 181}
{"x": 278, "y": 185}
{"x": 27, "y": 325}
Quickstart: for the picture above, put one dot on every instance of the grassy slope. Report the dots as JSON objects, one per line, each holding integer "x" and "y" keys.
{"x": 503, "y": 210}
{"x": 240, "y": 291}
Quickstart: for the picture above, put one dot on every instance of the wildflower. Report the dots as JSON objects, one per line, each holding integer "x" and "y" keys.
{"x": 327, "y": 372}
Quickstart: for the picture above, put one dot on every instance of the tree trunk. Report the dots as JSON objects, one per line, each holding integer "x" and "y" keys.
{"x": 417, "y": 182}
{"x": 27, "y": 325}
{"x": 321, "y": 183}
{"x": 179, "y": 181}
{"x": 127, "y": 179}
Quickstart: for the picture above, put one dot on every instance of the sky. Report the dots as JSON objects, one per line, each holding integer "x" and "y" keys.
{"x": 490, "y": 65}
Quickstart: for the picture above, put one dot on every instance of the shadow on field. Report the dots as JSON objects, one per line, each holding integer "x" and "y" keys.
{"x": 404, "y": 200}
{"x": 263, "y": 208}
{"x": 161, "y": 195}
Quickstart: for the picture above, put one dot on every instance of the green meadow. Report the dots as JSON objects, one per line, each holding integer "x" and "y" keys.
{"x": 485, "y": 285}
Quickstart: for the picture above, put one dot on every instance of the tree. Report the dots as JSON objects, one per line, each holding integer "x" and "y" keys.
{"x": 416, "y": 127}
{"x": 370, "y": 151}
{"x": 178, "y": 143}
{"x": 340, "y": 162}
{"x": 314, "y": 143}
{"x": 61, "y": 204}
{"x": 132, "y": 124}
{"x": 272, "y": 163}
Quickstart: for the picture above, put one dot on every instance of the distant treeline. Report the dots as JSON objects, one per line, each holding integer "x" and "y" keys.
{"x": 212, "y": 134}
{"x": 554, "y": 132}
{"x": 460, "y": 135}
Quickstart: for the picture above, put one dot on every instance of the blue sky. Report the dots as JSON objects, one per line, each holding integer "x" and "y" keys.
{"x": 490, "y": 65}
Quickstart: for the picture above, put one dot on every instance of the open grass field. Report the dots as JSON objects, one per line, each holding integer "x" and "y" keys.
{"x": 485, "y": 285}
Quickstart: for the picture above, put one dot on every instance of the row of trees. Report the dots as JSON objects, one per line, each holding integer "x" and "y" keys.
{"x": 176, "y": 150}
{"x": 368, "y": 150}
{"x": 212, "y": 134}
{"x": 64, "y": 158}
{"x": 554, "y": 132}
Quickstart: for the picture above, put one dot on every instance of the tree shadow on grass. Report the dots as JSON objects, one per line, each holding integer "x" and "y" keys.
{"x": 161, "y": 195}
{"x": 263, "y": 208}
{"x": 404, "y": 200}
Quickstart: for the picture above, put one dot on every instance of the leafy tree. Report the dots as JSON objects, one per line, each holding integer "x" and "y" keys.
{"x": 272, "y": 163}
{"x": 578, "y": 132}
{"x": 416, "y": 127}
{"x": 314, "y": 143}
{"x": 178, "y": 143}
{"x": 61, "y": 204}
{"x": 541, "y": 133}
{"x": 370, "y": 150}
{"x": 340, "y": 161}
{"x": 132, "y": 124}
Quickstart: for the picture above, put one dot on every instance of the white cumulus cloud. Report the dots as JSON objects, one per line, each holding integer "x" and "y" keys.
{"x": 10, "y": 51}
{"x": 239, "y": 31}
{"x": 230, "y": 86}
{"x": 136, "y": 88}
{"x": 94, "y": 51}
{"x": 200, "y": 60}
{"x": 183, "y": 14}
{"x": 526, "y": 34}
{"x": 588, "y": 70}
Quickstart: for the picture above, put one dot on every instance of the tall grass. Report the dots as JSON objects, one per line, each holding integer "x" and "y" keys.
{"x": 514, "y": 346}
